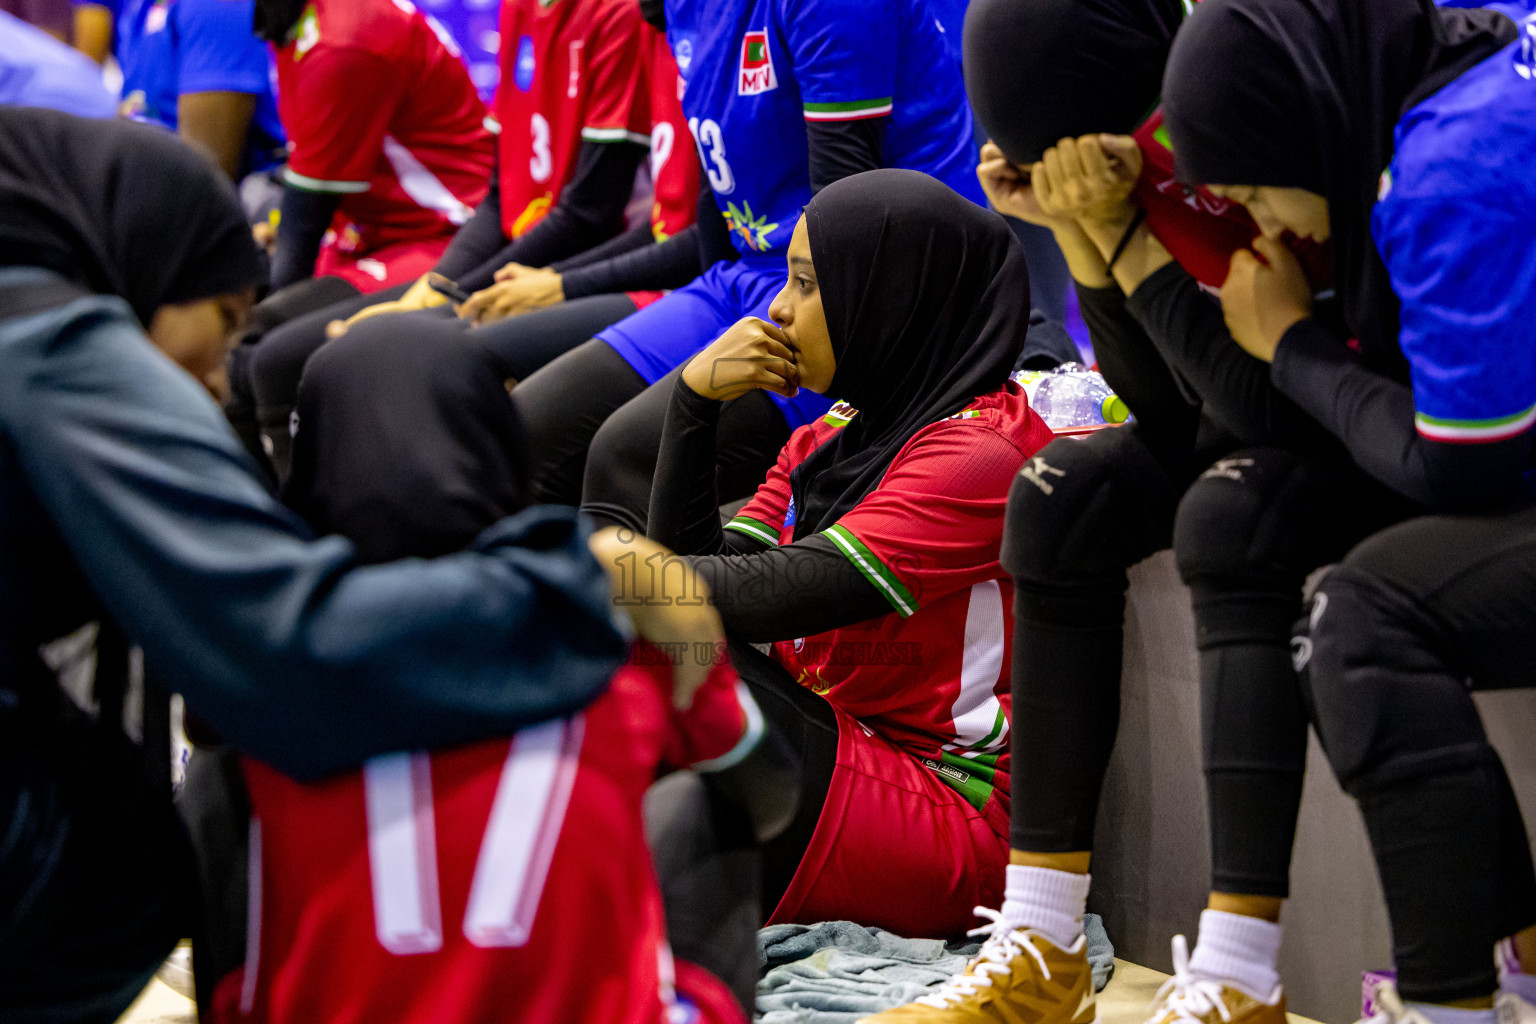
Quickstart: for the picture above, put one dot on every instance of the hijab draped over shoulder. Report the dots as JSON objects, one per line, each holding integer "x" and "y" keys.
{"x": 926, "y": 297}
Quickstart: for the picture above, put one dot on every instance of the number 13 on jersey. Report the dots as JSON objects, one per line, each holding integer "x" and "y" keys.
{"x": 711, "y": 142}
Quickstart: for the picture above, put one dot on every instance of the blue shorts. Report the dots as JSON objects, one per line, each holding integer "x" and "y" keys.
{"x": 662, "y": 336}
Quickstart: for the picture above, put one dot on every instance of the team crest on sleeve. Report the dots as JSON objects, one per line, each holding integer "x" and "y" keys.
{"x": 308, "y": 33}
{"x": 756, "y": 73}
{"x": 522, "y": 73}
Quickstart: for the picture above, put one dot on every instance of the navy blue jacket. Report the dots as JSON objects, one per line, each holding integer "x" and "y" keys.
{"x": 121, "y": 483}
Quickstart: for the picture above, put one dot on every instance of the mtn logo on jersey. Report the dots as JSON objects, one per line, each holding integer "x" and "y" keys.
{"x": 756, "y": 74}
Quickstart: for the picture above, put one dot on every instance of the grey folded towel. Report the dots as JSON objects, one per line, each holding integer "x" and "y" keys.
{"x": 838, "y": 972}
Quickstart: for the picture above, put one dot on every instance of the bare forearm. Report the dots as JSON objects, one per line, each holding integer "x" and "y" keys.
{"x": 1084, "y": 261}
{"x": 218, "y": 122}
{"x": 1142, "y": 256}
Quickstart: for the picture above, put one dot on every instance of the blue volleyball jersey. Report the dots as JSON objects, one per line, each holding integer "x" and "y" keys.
{"x": 1454, "y": 227}
{"x": 755, "y": 71}
{"x": 168, "y": 48}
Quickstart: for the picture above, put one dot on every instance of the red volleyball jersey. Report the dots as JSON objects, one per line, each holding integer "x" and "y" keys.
{"x": 932, "y": 676}
{"x": 1199, "y": 229}
{"x": 379, "y": 109}
{"x": 503, "y": 880}
{"x": 572, "y": 71}
{"x": 674, "y": 161}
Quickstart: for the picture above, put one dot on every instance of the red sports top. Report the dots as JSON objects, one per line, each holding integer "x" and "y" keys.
{"x": 674, "y": 161}
{"x": 572, "y": 71}
{"x": 932, "y": 676}
{"x": 379, "y": 108}
{"x": 1200, "y": 230}
{"x": 494, "y": 882}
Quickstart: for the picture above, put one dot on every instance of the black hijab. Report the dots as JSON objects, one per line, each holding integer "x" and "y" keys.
{"x": 122, "y": 208}
{"x": 407, "y": 449}
{"x": 1039, "y": 70}
{"x": 1306, "y": 94}
{"x": 926, "y": 297}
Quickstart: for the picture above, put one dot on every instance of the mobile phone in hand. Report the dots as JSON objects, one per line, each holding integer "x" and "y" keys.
{"x": 440, "y": 284}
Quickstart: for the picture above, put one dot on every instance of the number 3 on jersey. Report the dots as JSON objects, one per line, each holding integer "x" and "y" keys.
{"x": 712, "y": 153}
{"x": 541, "y": 163}
{"x": 515, "y": 849}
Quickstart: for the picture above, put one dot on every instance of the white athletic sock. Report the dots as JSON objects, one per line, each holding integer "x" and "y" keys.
{"x": 1051, "y": 902}
{"x": 1238, "y": 950}
{"x": 1437, "y": 1014}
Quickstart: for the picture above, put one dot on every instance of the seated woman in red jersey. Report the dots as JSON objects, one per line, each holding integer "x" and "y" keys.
{"x": 531, "y": 315}
{"x": 507, "y": 879}
{"x": 389, "y": 147}
{"x": 574, "y": 128}
{"x": 868, "y": 558}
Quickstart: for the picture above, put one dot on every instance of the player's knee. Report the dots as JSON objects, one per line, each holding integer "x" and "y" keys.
{"x": 1061, "y": 498}
{"x": 1225, "y": 526}
{"x": 278, "y": 361}
{"x": 1352, "y": 650}
{"x": 623, "y": 451}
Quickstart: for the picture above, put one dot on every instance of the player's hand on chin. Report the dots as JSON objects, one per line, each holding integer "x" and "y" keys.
{"x": 517, "y": 290}
{"x": 668, "y": 608}
{"x": 751, "y": 355}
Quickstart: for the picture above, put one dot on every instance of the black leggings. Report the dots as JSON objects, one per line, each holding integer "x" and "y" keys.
{"x": 1079, "y": 515}
{"x": 1246, "y": 533}
{"x": 271, "y": 313}
{"x": 519, "y": 346}
{"x": 1416, "y": 618}
{"x": 717, "y": 885}
{"x": 595, "y": 429}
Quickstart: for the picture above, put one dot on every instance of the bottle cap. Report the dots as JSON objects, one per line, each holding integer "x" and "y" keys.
{"x": 1115, "y": 410}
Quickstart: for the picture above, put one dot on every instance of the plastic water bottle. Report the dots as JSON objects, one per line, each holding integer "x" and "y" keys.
{"x": 1073, "y": 396}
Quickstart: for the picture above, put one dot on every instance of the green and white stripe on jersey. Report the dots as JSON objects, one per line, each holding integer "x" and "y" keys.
{"x": 756, "y": 530}
{"x": 614, "y": 135}
{"x": 973, "y": 776}
{"x": 873, "y": 569}
{"x": 1497, "y": 429}
{"x": 853, "y": 110}
{"x": 305, "y": 183}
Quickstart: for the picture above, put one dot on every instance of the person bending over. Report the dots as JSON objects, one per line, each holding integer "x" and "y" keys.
{"x": 539, "y": 854}
{"x": 1439, "y": 244}
{"x": 573, "y": 120}
{"x": 126, "y": 497}
{"x": 1141, "y": 245}
{"x": 868, "y": 558}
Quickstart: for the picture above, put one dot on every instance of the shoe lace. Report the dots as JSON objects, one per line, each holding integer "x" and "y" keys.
{"x": 1003, "y": 944}
{"x": 1187, "y": 997}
